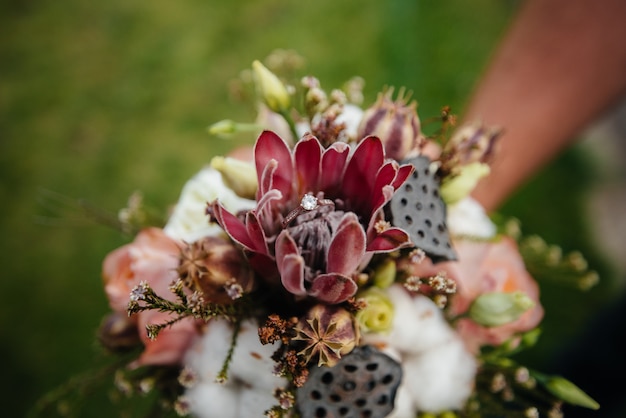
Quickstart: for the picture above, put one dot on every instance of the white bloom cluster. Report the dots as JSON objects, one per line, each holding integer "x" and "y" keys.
{"x": 249, "y": 389}
{"x": 438, "y": 371}
{"x": 188, "y": 221}
{"x": 467, "y": 218}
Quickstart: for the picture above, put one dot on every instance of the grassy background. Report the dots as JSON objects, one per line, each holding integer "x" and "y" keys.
{"x": 98, "y": 100}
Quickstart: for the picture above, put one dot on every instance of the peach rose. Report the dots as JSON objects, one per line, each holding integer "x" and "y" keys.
{"x": 487, "y": 267}
{"x": 151, "y": 257}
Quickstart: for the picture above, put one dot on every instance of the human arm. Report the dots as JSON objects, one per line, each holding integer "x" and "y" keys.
{"x": 561, "y": 65}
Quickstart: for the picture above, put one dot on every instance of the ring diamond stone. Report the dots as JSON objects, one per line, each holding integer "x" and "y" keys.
{"x": 309, "y": 202}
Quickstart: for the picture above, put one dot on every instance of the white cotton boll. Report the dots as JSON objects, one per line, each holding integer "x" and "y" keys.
{"x": 249, "y": 389}
{"x": 468, "y": 218}
{"x": 189, "y": 221}
{"x": 441, "y": 378}
{"x": 206, "y": 357}
{"x": 429, "y": 325}
{"x": 252, "y": 363}
{"x": 418, "y": 324}
{"x": 212, "y": 400}
{"x": 253, "y": 402}
{"x": 403, "y": 404}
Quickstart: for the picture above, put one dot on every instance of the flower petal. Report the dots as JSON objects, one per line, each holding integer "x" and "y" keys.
{"x": 360, "y": 175}
{"x": 270, "y": 147}
{"x": 256, "y": 233}
{"x": 333, "y": 165}
{"x": 232, "y": 225}
{"x": 290, "y": 264}
{"x": 347, "y": 247}
{"x": 333, "y": 288}
{"x": 308, "y": 156}
{"x": 389, "y": 240}
{"x": 403, "y": 173}
{"x": 292, "y": 274}
{"x": 385, "y": 176}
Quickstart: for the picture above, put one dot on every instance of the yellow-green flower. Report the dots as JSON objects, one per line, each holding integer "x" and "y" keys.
{"x": 455, "y": 188}
{"x": 377, "y": 316}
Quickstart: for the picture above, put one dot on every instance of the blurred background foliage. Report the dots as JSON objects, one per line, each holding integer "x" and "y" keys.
{"x": 99, "y": 99}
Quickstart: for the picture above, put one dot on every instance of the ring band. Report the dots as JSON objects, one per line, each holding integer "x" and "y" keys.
{"x": 308, "y": 203}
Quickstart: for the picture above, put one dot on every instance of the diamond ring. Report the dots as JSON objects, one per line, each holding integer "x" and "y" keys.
{"x": 307, "y": 204}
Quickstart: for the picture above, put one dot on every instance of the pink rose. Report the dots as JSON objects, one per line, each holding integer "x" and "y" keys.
{"x": 487, "y": 267}
{"x": 152, "y": 257}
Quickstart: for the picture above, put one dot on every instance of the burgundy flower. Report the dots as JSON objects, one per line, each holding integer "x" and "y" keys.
{"x": 319, "y": 215}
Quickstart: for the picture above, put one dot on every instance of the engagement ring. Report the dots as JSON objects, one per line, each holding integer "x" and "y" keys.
{"x": 307, "y": 204}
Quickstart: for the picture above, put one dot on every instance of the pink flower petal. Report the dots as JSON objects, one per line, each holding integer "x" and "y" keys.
{"x": 270, "y": 147}
{"x": 360, "y": 175}
{"x": 232, "y": 226}
{"x": 290, "y": 264}
{"x": 256, "y": 233}
{"x": 284, "y": 246}
{"x": 266, "y": 178}
{"x": 172, "y": 343}
{"x": 385, "y": 176}
{"x": 308, "y": 157}
{"x": 402, "y": 174}
{"x": 292, "y": 274}
{"x": 347, "y": 247}
{"x": 333, "y": 165}
{"x": 333, "y": 288}
{"x": 389, "y": 240}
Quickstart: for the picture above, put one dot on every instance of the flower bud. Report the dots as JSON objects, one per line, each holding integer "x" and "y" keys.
{"x": 270, "y": 88}
{"x": 496, "y": 308}
{"x": 238, "y": 175}
{"x": 118, "y": 332}
{"x": 396, "y": 124}
{"x": 385, "y": 273}
{"x": 215, "y": 268}
{"x": 471, "y": 143}
{"x": 455, "y": 188}
{"x": 377, "y": 316}
{"x": 223, "y": 127}
{"x": 569, "y": 392}
{"x": 227, "y": 127}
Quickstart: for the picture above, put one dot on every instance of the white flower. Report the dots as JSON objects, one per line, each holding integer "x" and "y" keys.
{"x": 418, "y": 324}
{"x": 438, "y": 371}
{"x": 189, "y": 221}
{"x": 468, "y": 218}
{"x": 441, "y": 378}
{"x": 351, "y": 115}
{"x": 251, "y": 381}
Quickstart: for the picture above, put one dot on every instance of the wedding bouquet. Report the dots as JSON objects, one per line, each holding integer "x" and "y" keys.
{"x": 336, "y": 268}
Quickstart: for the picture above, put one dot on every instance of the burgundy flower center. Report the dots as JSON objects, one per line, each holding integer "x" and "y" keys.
{"x": 313, "y": 231}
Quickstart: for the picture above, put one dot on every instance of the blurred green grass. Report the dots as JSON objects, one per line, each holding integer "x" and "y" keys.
{"x": 100, "y": 99}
